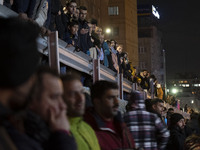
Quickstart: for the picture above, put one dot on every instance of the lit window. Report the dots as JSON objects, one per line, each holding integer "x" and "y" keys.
{"x": 183, "y": 85}
{"x": 113, "y": 11}
{"x": 187, "y": 85}
{"x": 185, "y": 82}
{"x": 196, "y": 85}
{"x": 174, "y": 84}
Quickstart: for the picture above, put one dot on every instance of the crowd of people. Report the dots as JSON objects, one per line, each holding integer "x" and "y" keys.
{"x": 42, "y": 110}
{"x": 39, "y": 109}
{"x": 85, "y": 35}
{"x": 73, "y": 28}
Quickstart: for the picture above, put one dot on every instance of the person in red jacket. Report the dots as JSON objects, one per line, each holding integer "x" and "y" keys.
{"x": 105, "y": 119}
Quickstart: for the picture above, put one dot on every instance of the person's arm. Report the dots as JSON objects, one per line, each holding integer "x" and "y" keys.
{"x": 162, "y": 133}
{"x": 61, "y": 138}
{"x": 106, "y": 49}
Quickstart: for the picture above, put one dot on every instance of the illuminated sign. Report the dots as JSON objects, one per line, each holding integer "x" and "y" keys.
{"x": 155, "y": 12}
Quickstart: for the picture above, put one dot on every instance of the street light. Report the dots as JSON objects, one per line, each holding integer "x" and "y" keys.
{"x": 108, "y": 30}
{"x": 174, "y": 91}
{"x": 192, "y": 101}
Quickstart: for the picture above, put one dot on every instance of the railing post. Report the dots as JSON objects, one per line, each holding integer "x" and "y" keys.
{"x": 96, "y": 70}
{"x": 120, "y": 84}
{"x": 134, "y": 86}
{"x": 53, "y": 51}
{"x": 152, "y": 88}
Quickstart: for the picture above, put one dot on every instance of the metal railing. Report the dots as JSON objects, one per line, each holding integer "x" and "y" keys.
{"x": 57, "y": 51}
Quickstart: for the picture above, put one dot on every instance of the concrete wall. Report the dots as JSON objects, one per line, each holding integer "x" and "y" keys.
{"x": 131, "y": 31}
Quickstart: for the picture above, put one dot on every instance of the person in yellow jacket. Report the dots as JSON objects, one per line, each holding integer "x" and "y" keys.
{"x": 159, "y": 91}
{"x": 75, "y": 99}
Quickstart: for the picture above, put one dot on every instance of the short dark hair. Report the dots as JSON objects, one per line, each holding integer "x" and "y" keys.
{"x": 144, "y": 70}
{"x": 155, "y": 101}
{"x": 82, "y": 8}
{"x": 113, "y": 40}
{"x": 100, "y": 87}
{"x": 93, "y": 21}
{"x": 171, "y": 109}
{"x": 69, "y": 2}
{"x": 19, "y": 56}
{"x": 38, "y": 87}
{"x": 73, "y": 22}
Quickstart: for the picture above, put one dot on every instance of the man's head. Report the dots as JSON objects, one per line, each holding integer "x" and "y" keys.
{"x": 157, "y": 105}
{"x": 73, "y": 27}
{"x": 83, "y": 13}
{"x": 74, "y": 95}
{"x": 104, "y": 96}
{"x": 47, "y": 94}
{"x": 112, "y": 43}
{"x": 94, "y": 23}
{"x": 136, "y": 100}
{"x": 119, "y": 49}
{"x": 101, "y": 38}
{"x": 170, "y": 111}
{"x": 18, "y": 60}
{"x": 76, "y": 14}
{"x": 98, "y": 30}
{"x": 177, "y": 119}
{"x": 145, "y": 72}
{"x": 108, "y": 42}
{"x": 71, "y": 6}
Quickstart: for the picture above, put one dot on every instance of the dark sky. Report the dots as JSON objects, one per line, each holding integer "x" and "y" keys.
{"x": 180, "y": 25}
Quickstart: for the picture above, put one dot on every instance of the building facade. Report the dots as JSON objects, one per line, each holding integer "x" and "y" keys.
{"x": 150, "y": 49}
{"x": 186, "y": 88}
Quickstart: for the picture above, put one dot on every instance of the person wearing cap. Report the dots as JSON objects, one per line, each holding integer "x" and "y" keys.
{"x": 18, "y": 60}
{"x": 106, "y": 120}
{"x": 147, "y": 128}
{"x": 177, "y": 134}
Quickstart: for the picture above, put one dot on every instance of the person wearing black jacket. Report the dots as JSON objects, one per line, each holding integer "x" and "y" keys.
{"x": 46, "y": 120}
{"x": 85, "y": 42}
{"x": 177, "y": 132}
{"x": 18, "y": 61}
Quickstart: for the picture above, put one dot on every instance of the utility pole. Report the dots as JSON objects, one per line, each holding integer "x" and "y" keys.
{"x": 164, "y": 67}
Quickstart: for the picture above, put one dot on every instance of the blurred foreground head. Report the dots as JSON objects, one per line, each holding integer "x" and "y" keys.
{"x": 18, "y": 61}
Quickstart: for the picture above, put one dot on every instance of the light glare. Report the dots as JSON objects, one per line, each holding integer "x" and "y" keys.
{"x": 174, "y": 91}
{"x": 108, "y": 30}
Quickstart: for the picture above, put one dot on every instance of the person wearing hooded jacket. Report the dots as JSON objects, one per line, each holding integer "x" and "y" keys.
{"x": 177, "y": 132}
{"x": 146, "y": 127}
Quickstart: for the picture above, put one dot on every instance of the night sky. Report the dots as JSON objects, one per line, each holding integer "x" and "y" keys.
{"x": 180, "y": 25}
